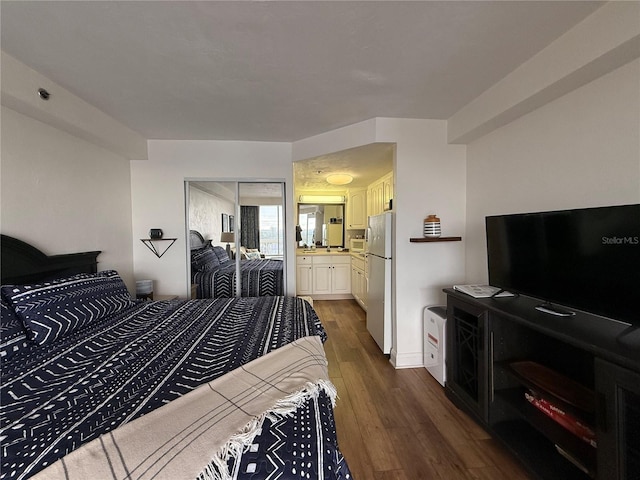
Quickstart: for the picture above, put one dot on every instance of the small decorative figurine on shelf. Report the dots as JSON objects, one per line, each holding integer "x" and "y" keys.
{"x": 432, "y": 227}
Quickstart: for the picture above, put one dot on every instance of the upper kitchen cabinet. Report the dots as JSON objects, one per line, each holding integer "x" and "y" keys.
{"x": 387, "y": 191}
{"x": 380, "y": 194}
{"x": 357, "y": 208}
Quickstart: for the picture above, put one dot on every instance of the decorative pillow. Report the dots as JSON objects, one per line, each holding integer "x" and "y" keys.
{"x": 53, "y": 309}
{"x": 203, "y": 260}
{"x": 253, "y": 255}
{"x": 13, "y": 335}
{"x": 221, "y": 253}
{"x": 242, "y": 252}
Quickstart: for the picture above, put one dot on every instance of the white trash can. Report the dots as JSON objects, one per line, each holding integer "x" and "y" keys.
{"x": 435, "y": 319}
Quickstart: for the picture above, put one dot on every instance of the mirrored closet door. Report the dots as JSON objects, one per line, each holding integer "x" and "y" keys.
{"x": 237, "y": 238}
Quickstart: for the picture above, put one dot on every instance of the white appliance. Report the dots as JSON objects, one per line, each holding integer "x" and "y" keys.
{"x": 332, "y": 234}
{"x": 379, "y": 293}
{"x": 357, "y": 244}
{"x": 435, "y": 319}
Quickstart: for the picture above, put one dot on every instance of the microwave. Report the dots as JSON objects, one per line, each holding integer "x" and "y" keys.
{"x": 357, "y": 244}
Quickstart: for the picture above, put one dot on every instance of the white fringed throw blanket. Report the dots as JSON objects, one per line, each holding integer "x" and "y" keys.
{"x": 197, "y": 433}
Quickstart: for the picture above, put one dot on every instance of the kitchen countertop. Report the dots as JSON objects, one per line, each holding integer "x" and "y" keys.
{"x": 320, "y": 251}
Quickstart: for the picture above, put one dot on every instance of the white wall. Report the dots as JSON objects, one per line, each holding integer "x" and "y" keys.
{"x": 604, "y": 41}
{"x": 65, "y": 195}
{"x": 65, "y": 111}
{"x": 582, "y": 150}
{"x": 429, "y": 177}
{"x": 205, "y": 213}
{"x": 158, "y": 198}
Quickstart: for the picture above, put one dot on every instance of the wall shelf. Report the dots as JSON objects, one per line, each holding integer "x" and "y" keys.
{"x": 439, "y": 239}
{"x": 149, "y": 244}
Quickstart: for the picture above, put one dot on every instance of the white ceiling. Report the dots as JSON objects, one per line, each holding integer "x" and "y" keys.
{"x": 277, "y": 71}
{"x": 365, "y": 164}
{"x": 280, "y": 71}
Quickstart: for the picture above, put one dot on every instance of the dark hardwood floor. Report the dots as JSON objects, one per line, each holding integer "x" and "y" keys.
{"x": 398, "y": 424}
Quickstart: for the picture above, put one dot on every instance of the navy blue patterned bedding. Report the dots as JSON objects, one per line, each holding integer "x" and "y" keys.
{"x": 291, "y": 454}
{"x": 259, "y": 278}
{"x": 58, "y": 396}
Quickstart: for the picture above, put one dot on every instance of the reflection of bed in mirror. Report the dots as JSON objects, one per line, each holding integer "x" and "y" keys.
{"x": 214, "y": 272}
{"x": 98, "y": 385}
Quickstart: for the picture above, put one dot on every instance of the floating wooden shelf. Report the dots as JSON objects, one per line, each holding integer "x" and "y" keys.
{"x": 439, "y": 239}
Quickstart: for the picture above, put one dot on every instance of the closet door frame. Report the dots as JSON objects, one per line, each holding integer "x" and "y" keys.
{"x": 237, "y": 220}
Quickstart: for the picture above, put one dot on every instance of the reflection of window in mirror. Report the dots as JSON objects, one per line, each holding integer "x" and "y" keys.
{"x": 262, "y": 225}
{"x": 321, "y": 224}
{"x": 271, "y": 230}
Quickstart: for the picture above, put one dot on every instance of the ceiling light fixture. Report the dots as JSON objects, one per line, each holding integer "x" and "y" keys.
{"x": 339, "y": 179}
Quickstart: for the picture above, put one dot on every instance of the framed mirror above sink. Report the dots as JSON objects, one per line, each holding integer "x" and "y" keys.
{"x": 321, "y": 224}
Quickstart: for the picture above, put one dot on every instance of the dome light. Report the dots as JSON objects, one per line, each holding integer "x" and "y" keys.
{"x": 339, "y": 179}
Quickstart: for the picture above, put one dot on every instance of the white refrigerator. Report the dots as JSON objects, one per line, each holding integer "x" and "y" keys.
{"x": 379, "y": 293}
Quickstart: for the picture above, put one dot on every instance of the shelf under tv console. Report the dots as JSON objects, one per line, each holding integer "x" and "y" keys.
{"x": 561, "y": 393}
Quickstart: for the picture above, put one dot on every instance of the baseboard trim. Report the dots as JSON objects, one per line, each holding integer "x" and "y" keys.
{"x": 332, "y": 296}
{"x": 406, "y": 360}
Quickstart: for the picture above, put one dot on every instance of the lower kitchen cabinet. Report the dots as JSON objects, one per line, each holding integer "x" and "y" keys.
{"x": 304, "y": 276}
{"x": 324, "y": 276}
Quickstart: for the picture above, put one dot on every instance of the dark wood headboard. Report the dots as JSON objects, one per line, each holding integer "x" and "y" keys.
{"x": 197, "y": 241}
{"x": 23, "y": 263}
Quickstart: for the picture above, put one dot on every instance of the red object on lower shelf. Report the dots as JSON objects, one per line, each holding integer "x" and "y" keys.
{"x": 538, "y": 377}
{"x": 569, "y": 422}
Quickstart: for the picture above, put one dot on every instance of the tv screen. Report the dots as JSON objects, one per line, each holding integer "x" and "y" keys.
{"x": 587, "y": 259}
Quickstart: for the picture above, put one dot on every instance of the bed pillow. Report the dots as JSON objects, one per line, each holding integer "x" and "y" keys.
{"x": 203, "y": 260}
{"x": 13, "y": 336}
{"x": 242, "y": 252}
{"x": 53, "y": 309}
{"x": 221, "y": 253}
{"x": 253, "y": 255}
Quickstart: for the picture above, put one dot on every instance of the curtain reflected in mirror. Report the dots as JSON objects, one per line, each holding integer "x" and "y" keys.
{"x": 250, "y": 226}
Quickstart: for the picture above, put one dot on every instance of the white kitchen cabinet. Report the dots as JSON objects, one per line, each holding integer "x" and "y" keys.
{"x": 324, "y": 276}
{"x": 331, "y": 274}
{"x": 357, "y": 208}
{"x": 304, "y": 276}
{"x": 387, "y": 191}
{"x": 379, "y": 195}
{"x": 358, "y": 281}
{"x": 341, "y": 278}
{"x": 321, "y": 279}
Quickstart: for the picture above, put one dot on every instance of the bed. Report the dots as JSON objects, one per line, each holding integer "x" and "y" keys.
{"x": 101, "y": 392}
{"x": 214, "y": 272}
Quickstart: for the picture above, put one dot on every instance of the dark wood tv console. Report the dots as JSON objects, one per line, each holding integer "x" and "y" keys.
{"x": 561, "y": 393}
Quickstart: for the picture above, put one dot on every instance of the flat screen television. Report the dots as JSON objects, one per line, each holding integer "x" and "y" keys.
{"x": 586, "y": 259}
